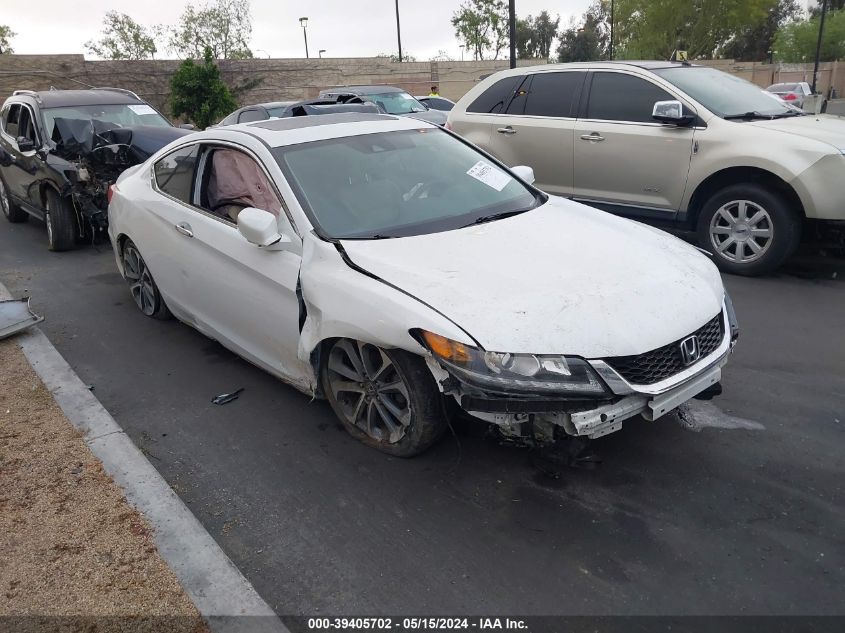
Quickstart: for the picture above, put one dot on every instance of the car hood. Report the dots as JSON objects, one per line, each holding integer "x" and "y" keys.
{"x": 563, "y": 278}
{"x": 822, "y": 127}
{"x": 432, "y": 116}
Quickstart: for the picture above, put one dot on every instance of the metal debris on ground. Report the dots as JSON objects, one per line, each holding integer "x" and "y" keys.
{"x": 224, "y": 398}
{"x": 16, "y": 316}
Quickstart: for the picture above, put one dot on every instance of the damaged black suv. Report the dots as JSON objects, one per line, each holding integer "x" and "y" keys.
{"x": 60, "y": 150}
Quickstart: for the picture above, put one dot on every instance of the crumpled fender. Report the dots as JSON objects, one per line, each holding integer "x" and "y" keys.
{"x": 341, "y": 301}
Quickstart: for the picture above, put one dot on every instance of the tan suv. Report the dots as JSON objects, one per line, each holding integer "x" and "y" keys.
{"x": 669, "y": 143}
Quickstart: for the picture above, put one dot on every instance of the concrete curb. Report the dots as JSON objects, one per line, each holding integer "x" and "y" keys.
{"x": 218, "y": 589}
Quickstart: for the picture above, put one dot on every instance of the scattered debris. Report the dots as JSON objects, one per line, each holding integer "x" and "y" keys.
{"x": 697, "y": 415}
{"x": 16, "y": 316}
{"x": 224, "y": 398}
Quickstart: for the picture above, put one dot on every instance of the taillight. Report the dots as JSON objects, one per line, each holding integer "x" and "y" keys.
{"x": 790, "y": 96}
{"x": 110, "y": 193}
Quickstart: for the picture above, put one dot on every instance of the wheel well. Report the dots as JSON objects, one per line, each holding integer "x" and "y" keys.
{"x": 736, "y": 176}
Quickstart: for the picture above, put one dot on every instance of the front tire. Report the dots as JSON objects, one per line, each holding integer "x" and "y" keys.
{"x": 61, "y": 223}
{"x": 142, "y": 286}
{"x": 387, "y": 399}
{"x": 12, "y": 211}
{"x": 749, "y": 229}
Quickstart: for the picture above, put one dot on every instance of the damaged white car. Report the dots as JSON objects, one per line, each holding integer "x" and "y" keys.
{"x": 396, "y": 270}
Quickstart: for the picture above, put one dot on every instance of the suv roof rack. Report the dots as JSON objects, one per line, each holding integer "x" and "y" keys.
{"x": 123, "y": 90}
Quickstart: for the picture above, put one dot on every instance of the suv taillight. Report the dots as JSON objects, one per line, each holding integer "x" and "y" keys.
{"x": 790, "y": 97}
{"x": 110, "y": 193}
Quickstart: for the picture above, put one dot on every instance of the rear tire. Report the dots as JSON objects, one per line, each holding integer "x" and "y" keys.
{"x": 142, "y": 286}
{"x": 61, "y": 223}
{"x": 750, "y": 229}
{"x": 12, "y": 211}
{"x": 386, "y": 399}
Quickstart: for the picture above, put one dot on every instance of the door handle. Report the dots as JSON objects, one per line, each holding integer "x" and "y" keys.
{"x": 185, "y": 229}
{"x": 593, "y": 136}
{"x": 506, "y": 130}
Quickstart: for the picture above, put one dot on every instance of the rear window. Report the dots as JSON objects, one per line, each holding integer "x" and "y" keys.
{"x": 494, "y": 99}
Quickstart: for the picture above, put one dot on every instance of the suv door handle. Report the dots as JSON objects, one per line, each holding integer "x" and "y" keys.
{"x": 592, "y": 136}
{"x": 506, "y": 130}
{"x": 185, "y": 229}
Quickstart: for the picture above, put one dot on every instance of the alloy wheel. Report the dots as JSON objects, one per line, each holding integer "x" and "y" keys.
{"x": 741, "y": 231}
{"x": 368, "y": 387}
{"x": 140, "y": 281}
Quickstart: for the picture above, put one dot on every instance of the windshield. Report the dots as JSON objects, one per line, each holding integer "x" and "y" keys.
{"x": 395, "y": 184}
{"x": 122, "y": 114}
{"x": 396, "y": 102}
{"x": 724, "y": 94}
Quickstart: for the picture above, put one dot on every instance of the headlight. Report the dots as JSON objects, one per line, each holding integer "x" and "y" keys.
{"x": 504, "y": 371}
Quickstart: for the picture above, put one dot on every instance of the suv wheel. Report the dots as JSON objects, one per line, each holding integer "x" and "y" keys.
{"x": 12, "y": 212}
{"x": 61, "y": 223}
{"x": 387, "y": 399}
{"x": 749, "y": 229}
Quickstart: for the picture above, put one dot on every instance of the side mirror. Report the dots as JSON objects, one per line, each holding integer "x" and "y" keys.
{"x": 671, "y": 112}
{"x": 187, "y": 126}
{"x": 261, "y": 228}
{"x": 25, "y": 144}
{"x": 525, "y": 172}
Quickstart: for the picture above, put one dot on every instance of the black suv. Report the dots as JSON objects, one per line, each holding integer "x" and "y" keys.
{"x": 60, "y": 150}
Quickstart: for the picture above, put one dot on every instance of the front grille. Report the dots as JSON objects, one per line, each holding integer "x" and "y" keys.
{"x": 666, "y": 361}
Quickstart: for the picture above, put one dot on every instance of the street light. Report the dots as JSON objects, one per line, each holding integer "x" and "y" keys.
{"x": 398, "y": 32}
{"x": 303, "y": 22}
{"x": 512, "y": 20}
{"x": 611, "y": 30}
{"x": 320, "y": 52}
{"x": 819, "y": 45}
{"x": 462, "y": 46}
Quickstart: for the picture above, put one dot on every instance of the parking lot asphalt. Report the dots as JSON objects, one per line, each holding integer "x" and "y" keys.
{"x": 743, "y": 520}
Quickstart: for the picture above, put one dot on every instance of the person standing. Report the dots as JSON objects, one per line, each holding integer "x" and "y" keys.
{"x": 434, "y": 92}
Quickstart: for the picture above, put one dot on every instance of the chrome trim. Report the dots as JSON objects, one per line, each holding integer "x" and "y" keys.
{"x": 621, "y": 386}
{"x": 625, "y": 204}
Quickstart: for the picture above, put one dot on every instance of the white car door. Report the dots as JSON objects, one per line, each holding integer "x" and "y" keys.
{"x": 237, "y": 293}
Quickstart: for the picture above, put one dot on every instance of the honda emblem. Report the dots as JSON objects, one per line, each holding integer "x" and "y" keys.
{"x": 690, "y": 350}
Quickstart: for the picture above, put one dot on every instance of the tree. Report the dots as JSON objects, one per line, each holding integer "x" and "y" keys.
{"x": 796, "y": 42}
{"x": 482, "y": 25}
{"x": 198, "y": 93}
{"x": 224, "y": 26}
{"x": 123, "y": 38}
{"x": 588, "y": 40}
{"x": 534, "y": 36}
{"x": 753, "y": 42}
{"x": 394, "y": 57}
{"x": 442, "y": 56}
{"x": 652, "y": 29}
{"x": 6, "y": 34}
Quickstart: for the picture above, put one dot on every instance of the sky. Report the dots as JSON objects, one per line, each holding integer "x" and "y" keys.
{"x": 344, "y": 28}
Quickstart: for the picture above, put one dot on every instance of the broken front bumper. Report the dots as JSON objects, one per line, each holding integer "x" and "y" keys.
{"x": 594, "y": 418}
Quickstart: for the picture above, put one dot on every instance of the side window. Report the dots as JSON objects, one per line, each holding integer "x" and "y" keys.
{"x": 174, "y": 174}
{"x": 12, "y": 120}
{"x": 495, "y": 98}
{"x": 619, "y": 97}
{"x": 251, "y": 115}
{"x": 233, "y": 181}
{"x": 551, "y": 94}
{"x": 26, "y": 125}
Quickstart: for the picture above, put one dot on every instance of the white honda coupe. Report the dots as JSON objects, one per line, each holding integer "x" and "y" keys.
{"x": 396, "y": 270}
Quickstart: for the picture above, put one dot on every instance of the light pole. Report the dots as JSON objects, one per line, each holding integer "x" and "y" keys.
{"x": 819, "y": 45}
{"x": 462, "y": 46}
{"x": 512, "y": 25}
{"x": 611, "y": 30}
{"x": 303, "y": 22}
{"x": 398, "y": 32}
{"x": 320, "y": 52}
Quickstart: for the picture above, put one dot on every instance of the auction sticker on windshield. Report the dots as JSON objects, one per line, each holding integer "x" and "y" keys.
{"x": 142, "y": 109}
{"x": 489, "y": 175}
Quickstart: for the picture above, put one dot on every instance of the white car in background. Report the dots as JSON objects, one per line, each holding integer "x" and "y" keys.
{"x": 392, "y": 267}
